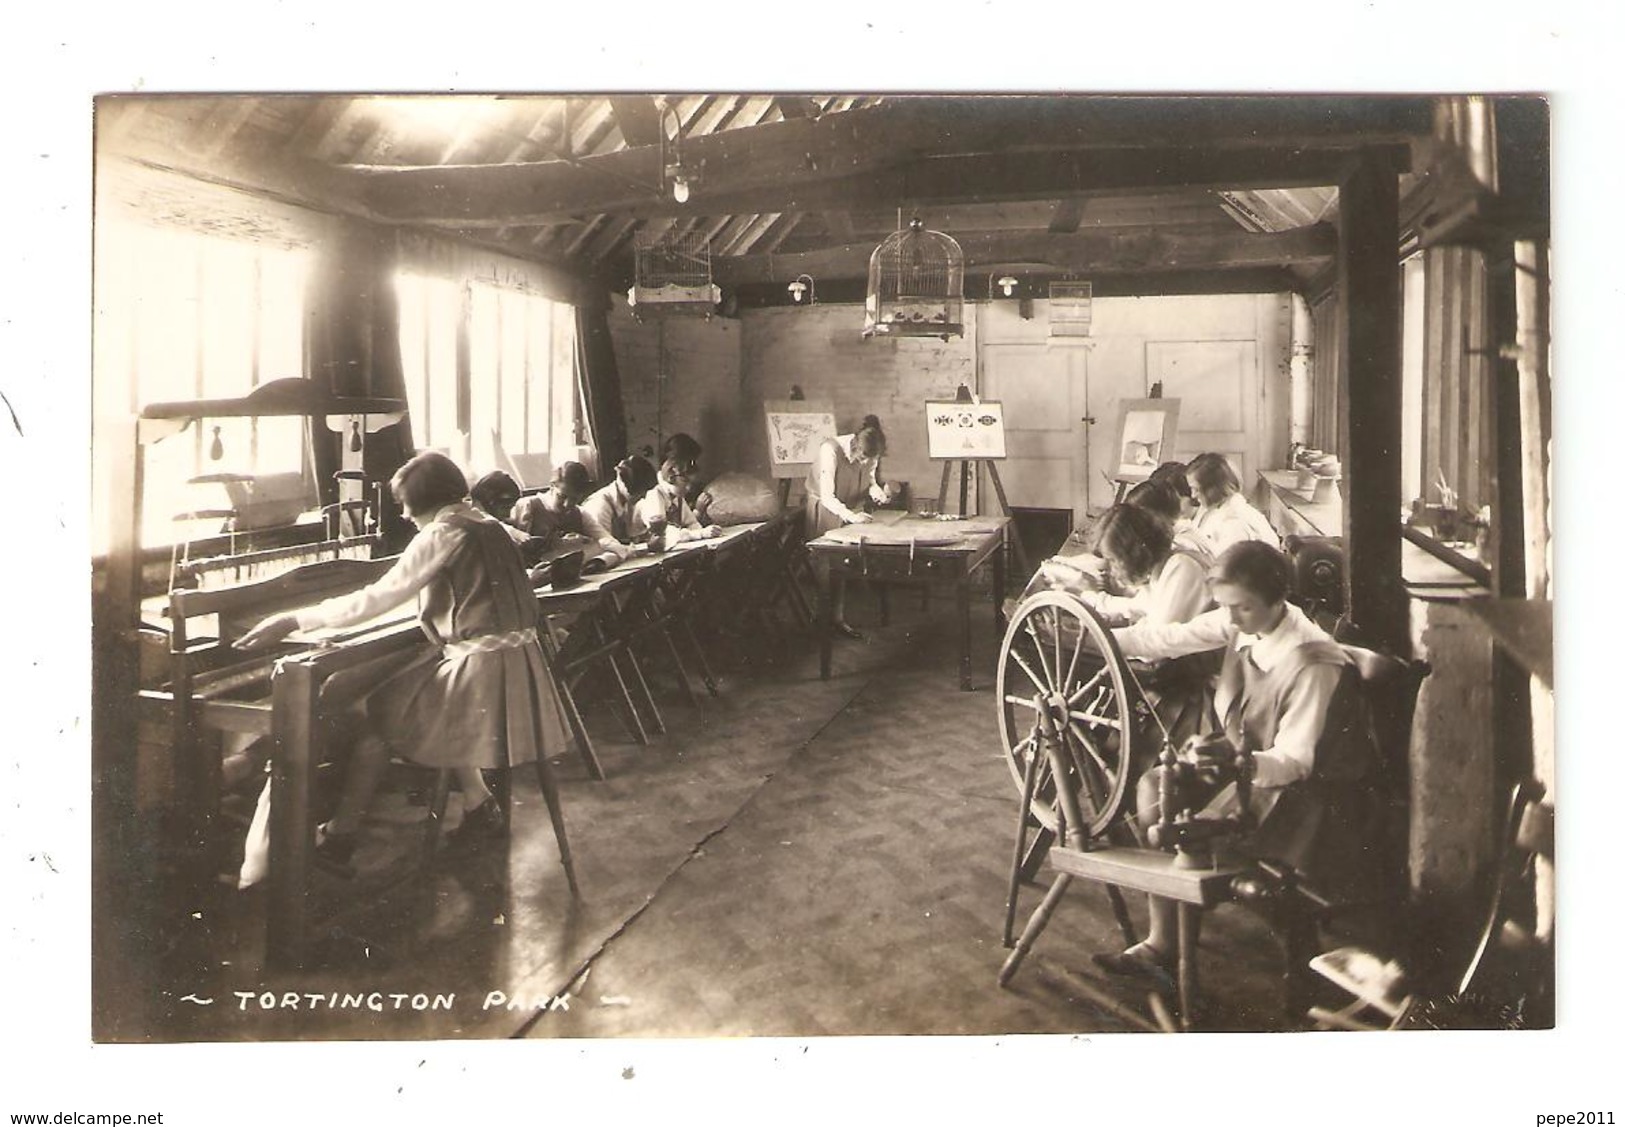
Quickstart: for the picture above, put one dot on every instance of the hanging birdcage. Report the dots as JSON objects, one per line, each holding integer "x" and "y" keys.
{"x": 1071, "y": 309}
{"x": 916, "y": 286}
{"x": 673, "y": 277}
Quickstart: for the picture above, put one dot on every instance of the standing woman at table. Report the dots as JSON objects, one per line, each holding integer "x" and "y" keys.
{"x": 482, "y": 697}
{"x": 845, "y": 473}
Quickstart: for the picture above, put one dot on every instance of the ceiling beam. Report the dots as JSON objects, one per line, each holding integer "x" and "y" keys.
{"x": 1068, "y": 215}
{"x": 638, "y": 118}
{"x": 493, "y": 194}
{"x": 1142, "y": 252}
{"x": 783, "y": 154}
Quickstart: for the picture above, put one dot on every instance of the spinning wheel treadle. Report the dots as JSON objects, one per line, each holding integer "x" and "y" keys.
{"x": 1060, "y": 669}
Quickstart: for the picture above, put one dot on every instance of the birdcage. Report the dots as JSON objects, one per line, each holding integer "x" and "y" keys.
{"x": 1071, "y": 308}
{"x": 673, "y": 277}
{"x": 916, "y": 286}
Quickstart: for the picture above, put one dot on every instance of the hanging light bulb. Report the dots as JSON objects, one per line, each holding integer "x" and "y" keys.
{"x": 217, "y": 449}
{"x": 679, "y": 187}
{"x": 1007, "y": 284}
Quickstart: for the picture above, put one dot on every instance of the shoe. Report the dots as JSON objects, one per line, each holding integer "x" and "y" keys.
{"x": 484, "y": 823}
{"x": 1141, "y": 961}
{"x": 846, "y": 631}
{"x": 333, "y": 851}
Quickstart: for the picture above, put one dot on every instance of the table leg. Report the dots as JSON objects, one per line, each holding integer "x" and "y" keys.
{"x": 998, "y": 588}
{"x": 1189, "y": 917}
{"x": 962, "y": 608}
{"x": 295, "y": 739}
{"x": 826, "y": 617}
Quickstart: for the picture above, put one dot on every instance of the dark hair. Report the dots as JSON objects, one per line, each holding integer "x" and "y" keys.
{"x": 428, "y": 481}
{"x": 871, "y": 437}
{"x": 572, "y": 477}
{"x": 682, "y": 449}
{"x": 1213, "y": 478}
{"x": 1157, "y": 497}
{"x": 1134, "y": 540}
{"x": 1257, "y": 567}
{"x": 637, "y": 473}
{"x": 496, "y": 493}
{"x": 1172, "y": 474}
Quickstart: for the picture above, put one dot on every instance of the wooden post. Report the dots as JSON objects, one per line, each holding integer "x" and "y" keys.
{"x": 1369, "y": 393}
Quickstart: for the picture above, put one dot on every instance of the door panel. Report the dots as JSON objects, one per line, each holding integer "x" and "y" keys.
{"x": 1045, "y": 395}
{"x": 1216, "y": 383}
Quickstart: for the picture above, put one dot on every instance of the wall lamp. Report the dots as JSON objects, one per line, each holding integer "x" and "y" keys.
{"x": 675, "y": 175}
{"x": 1008, "y": 284}
{"x": 802, "y": 287}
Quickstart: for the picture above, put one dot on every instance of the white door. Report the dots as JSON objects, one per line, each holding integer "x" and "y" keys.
{"x": 1216, "y": 383}
{"x": 1045, "y": 392}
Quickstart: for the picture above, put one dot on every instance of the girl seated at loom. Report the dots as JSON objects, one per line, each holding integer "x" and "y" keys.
{"x": 1222, "y": 513}
{"x": 667, "y": 502}
{"x": 1290, "y": 699}
{"x": 482, "y": 697}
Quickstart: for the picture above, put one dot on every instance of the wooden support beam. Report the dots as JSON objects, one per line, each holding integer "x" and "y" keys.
{"x": 1369, "y": 346}
{"x": 787, "y": 223}
{"x": 840, "y": 226}
{"x": 793, "y": 107}
{"x": 1061, "y": 144}
{"x": 1068, "y": 215}
{"x": 1097, "y": 253}
{"x": 638, "y": 119}
{"x": 752, "y": 234}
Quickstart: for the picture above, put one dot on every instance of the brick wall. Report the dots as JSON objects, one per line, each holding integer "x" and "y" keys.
{"x": 681, "y": 374}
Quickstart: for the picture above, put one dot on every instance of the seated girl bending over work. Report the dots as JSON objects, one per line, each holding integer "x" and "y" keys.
{"x": 1165, "y": 582}
{"x": 482, "y": 697}
{"x": 553, "y": 516}
{"x": 1289, "y": 697}
{"x": 667, "y": 503}
{"x": 606, "y": 516}
{"x": 1222, "y": 512}
{"x": 1160, "y": 496}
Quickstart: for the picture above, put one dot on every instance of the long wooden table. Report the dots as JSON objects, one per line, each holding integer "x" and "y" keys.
{"x": 897, "y": 547}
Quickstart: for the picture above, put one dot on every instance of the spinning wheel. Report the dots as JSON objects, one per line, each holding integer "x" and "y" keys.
{"x": 1067, "y": 710}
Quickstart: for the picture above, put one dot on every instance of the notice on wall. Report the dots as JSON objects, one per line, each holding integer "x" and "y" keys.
{"x": 964, "y": 430}
{"x": 795, "y": 427}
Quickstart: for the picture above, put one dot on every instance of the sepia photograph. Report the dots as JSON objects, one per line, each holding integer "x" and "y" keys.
{"x": 744, "y": 567}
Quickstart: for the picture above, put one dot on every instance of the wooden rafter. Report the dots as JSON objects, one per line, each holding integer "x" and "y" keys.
{"x": 638, "y": 119}
{"x": 896, "y": 150}
{"x": 753, "y": 233}
{"x": 1068, "y": 215}
{"x": 1148, "y": 250}
{"x": 781, "y": 231}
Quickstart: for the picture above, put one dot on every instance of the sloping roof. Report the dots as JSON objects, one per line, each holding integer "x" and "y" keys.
{"x": 785, "y": 184}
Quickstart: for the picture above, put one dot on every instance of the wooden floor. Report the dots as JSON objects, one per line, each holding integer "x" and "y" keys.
{"x": 795, "y": 858}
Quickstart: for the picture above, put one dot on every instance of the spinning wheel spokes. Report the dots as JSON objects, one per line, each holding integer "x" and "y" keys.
{"x": 1060, "y": 668}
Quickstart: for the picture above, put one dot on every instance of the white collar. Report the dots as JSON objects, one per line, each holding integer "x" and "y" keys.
{"x": 1292, "y": 631}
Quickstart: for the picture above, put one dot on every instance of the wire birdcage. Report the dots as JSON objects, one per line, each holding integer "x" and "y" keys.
{"x": 673, "y": 277}
{"x": 1071, "y": 309}
{"x": 916, "y": 286}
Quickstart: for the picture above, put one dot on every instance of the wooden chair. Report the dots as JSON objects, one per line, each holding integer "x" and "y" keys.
{"x": 1508, "y": 977}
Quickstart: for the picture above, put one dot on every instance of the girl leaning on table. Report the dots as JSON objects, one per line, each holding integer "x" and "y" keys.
{"x": 845, "y": 477}
{"x": 607, "y": 516}
{"x": 482, "y": 698}
{"x": 666, "y": 505}
{"x": 1289, "y": 699}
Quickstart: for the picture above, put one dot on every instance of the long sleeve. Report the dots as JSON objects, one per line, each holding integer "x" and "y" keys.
{"x": 418, "y": 564}
{"x": 1292, "y": 757}
{"x": 595, "y": 521}
{"x": 877, "y": 490}
{"x": 1178, "y": 594}
{"x": 826, "y": 483}
{"x": 1154, "y": 640}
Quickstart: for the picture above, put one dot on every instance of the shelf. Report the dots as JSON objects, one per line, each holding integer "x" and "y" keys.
{"x": 294, "y": 396}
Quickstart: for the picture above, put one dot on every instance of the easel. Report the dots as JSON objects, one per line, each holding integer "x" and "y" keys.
{"x": 964, "y": 497}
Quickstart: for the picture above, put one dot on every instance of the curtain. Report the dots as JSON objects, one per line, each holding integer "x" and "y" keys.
{"x": 600, "y": 382}
{"x": 352, "y": 348}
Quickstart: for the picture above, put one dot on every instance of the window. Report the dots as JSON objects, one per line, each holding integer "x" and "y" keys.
{"x": 513, "y": 403}
{"x": 183, "y": 315}
{"x": 1448, "y": 455}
